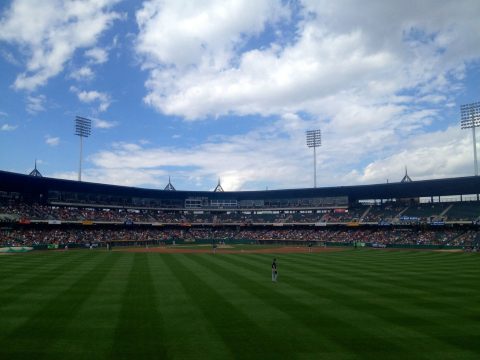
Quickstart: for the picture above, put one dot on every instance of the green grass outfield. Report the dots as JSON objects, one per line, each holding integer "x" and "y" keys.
{"x": 364, "y": 304}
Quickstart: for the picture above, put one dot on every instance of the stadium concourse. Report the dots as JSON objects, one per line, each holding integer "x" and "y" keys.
{"x": 41, "y": 212}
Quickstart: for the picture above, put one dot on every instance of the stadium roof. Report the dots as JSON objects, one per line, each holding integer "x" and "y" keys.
{"x": 15, "y": 182}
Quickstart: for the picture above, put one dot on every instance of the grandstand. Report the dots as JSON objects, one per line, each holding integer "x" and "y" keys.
{"x": 38, "y": 211}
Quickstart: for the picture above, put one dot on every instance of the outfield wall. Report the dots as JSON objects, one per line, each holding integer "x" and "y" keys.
{"x": 285, "y": 242}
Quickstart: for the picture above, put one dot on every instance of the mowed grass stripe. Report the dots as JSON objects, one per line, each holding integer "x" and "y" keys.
{"x": 429, "y": 327}
{"x": 253, "y": 296}
{"x": 380, "y": 277}
{"x": 18, "y": 304}
{"x": 189, "y": 335}
{"x": 53, "y": 317}
{"x": 90, "y": 333}
{"x": 377, "y": 259}
{"x": 359, "y": 304}
{"x": 294, "y": 324}
{"x": 450, "y": 318}
{"x": 140, "y": 329}
{"x": 242, "y": 336}
{"x": 438, "y": 293}
{"x": 446, "y": 295}
{"x": 344, "y": 321}
{"x": 30, "y": 278}
{"x": 425, "y": 276}
{"x": 374, "y": 295}
{"x": 329, "y": 324}
{"x": 14, "y": 264}
{"x": 428, "y": 330}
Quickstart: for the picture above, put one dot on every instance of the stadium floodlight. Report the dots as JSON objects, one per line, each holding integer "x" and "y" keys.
{"x": 470, "y": 118}
{"x": 314, "y": 139}
{"x": 83, "y": 129}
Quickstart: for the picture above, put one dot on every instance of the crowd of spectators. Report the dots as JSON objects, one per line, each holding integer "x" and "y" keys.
{"x": 362, "y": 214}
{"x": 158, "y": 235}
{"x": 189, "y": 228}
{"x": 119, "y": 215}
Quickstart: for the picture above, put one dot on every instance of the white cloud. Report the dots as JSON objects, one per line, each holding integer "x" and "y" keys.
{"x": 104, "y": 124}
{"x": 119, "y": 176}
{"x": 35, "y": 104}
{"x": 340, "y": 59}
{"x": 282, "y": 160}
{"x": 435, "y": 155}
{"x": 92, "y": 96}
{"x": 9, "y": 57}
{"x": 97, "y": 55}
{"x": 375, "y": 81}
{"x": 52, "y": 140}
{"x": 229, "y": 159}
{"x": 185, "y": 33}
{"x": 50, "y": 32}
{"x": 430, "y": 156}
{"x": 83, "y": 73}
{"x": 8, "y": 127}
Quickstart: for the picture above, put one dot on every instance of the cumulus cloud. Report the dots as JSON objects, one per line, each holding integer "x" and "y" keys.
{"x": 276, "y": 156}
{"x": 378, "y": 81}
{"x": 9, "y": 57}
{"x": 362, "y": 59}
{"x": 97, "y": 55}
{"x": 52, "y": 140}
{"x": 224, "y": 158}
{"x": 237, "y": 169}
{"x": 104, "y": 124}
{"x": 120, "y": 176}
{"x": 82, "y": 73}
{"x": 375, "y": 81}
{"x": 8, "y": 127}
{"x": 49, "y": 33}
{"x": 185, "y": 33}
{"x": 435, "y": 155}
{"x": 281, "y": 160}
{"x": 93, "y": 96}
{"x": 345, "y": 70}
{"x": 35, "y": 104}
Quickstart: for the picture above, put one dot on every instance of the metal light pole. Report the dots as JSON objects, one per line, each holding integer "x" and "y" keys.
{"x": 314, "y": 139}
{"x": 470, "y": 118}
{"x": 83, "y": 128}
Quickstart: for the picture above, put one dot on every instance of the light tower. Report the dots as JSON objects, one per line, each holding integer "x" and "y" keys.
{"x": 314, "y": 139}
{"x": 470, "y": 118}
{"x": 83, "y": 128}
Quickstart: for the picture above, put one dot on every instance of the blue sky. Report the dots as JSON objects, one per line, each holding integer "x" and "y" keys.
{"x": 202, "y": 90}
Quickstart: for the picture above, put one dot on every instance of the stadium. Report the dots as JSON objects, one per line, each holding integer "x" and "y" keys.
{"x": 44, "y": 212}
{"x": 372, "y": 271}
{"x": 142, "y": 254}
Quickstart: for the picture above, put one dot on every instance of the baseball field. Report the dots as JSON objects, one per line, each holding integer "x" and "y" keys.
{"x": 352, "y": 304}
